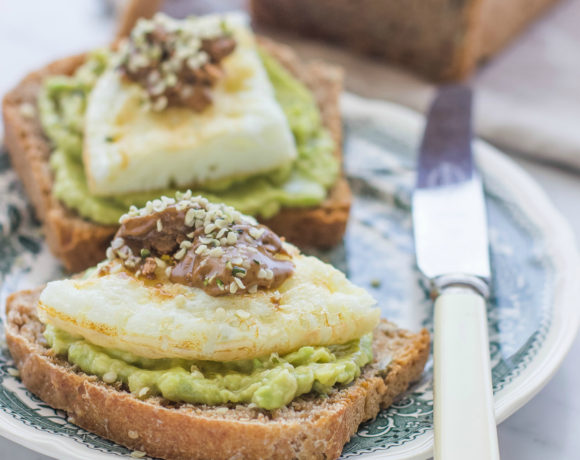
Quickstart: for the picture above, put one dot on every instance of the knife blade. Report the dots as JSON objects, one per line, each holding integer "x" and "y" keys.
{"x": 449, "y": 217}
{"x": 452, "y": 250}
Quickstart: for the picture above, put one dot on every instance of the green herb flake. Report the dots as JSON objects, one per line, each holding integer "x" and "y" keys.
{"x": 238, "y": 270}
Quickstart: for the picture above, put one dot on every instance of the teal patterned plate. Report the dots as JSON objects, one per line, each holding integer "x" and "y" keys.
{"x": 532, "y": 313}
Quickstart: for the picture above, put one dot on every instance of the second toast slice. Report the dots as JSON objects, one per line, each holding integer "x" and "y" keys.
{"x": 80, "y": 243}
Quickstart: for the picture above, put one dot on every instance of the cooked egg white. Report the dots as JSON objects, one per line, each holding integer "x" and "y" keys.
{"x": 128, "y": 148}
{"x": 315, "y": 306}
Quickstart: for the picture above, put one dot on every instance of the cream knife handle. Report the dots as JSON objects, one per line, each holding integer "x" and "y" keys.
{"x": 463, "y": 408}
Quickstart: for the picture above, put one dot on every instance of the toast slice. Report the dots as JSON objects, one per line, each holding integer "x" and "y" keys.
{"x": 310, "y": 427}
{"x": 80, "y": 243}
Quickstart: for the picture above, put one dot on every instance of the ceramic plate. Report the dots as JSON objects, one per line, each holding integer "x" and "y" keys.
{"x": 533, "y": 316}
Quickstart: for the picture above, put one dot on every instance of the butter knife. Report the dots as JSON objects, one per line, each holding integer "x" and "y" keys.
{"x": 451, "y": 244}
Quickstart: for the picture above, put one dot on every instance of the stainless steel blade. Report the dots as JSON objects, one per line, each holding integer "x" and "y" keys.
{"x": 449, "y": 215}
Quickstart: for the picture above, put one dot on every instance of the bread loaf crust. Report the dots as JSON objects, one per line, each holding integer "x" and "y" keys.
{"x": 311, "y": 427}
{"x": 440, "y": 39}
{"x": 80, "y": 243}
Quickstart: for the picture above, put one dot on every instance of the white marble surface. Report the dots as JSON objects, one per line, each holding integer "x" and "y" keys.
{"x": 546, "y": 428}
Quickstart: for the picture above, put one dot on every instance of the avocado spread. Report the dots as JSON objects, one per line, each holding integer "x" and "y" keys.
{"x": 62, "y": 104}
{"x": 269, "y": 382}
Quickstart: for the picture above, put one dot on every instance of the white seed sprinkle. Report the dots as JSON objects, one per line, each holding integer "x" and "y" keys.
{"x": 253, "y": 289}
{"x": 216, "y": 252}
{"x": 159, "y": 205}
{"x": 138, "y": 454}
{"x": 132, "y": 434}
{"x": 232, "y": 238}
{"x": 159, "y": 225}
{"x": 186, "y": 244}
{"x": 190, "y": 217}
{"x": 110, "y": 377}
{"x": 130, "y": 262}
{"x": 221, "y": 223}
{"x": 13, "y": 372}
{"x": 117, "y": 243}
{"x": 201, "y": 249}
{"x": 233, "y": 288}
{"x": 182, "y": 205}
{"x": 180, "y": 254}
{"x": 256, "y": 233}
{"x": 262, "y": 274}
{"x": 143, "y": 392}
{"x": 239, "y": 283}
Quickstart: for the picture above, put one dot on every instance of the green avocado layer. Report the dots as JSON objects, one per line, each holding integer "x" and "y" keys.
{"x": 62, "y": 104}
{"x": 270, "y": 382}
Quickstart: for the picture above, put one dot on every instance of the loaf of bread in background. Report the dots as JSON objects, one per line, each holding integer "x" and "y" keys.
{"x": 440, "y": 39}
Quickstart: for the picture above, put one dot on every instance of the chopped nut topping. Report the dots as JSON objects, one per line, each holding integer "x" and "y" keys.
{"x": 176, "y": 62}
{"x": 149, "y": 267}
{"x": 187, "y": 249}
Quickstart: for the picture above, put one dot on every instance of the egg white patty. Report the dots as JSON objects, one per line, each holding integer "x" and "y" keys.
{"x": 315, "y": 306}
{"x": 128, "y": 148}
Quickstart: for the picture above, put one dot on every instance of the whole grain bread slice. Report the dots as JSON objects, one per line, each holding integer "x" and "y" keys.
{"x": 309, "y": 428}
{"x": 80, "y": 243}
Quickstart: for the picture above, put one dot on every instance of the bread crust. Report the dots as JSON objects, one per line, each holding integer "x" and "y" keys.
{"x": 310, "y": 428}
{"x": 80, "y": 243}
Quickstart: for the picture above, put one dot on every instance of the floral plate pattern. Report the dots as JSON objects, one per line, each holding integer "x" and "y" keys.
{"x": 532, "y": 318}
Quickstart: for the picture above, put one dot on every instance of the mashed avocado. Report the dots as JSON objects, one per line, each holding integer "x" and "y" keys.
{"x": 269, "y": 382}
{"x": 62, "y": 104}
